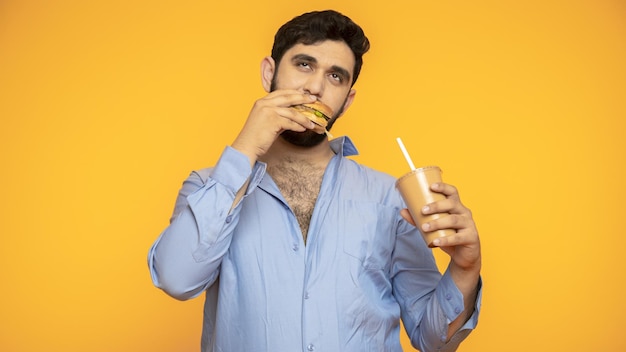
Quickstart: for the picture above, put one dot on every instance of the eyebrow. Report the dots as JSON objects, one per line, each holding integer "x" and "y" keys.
{"x": 334, "y": 68}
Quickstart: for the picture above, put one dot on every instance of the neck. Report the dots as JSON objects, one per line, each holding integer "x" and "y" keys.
{"x": 282, "y": 150}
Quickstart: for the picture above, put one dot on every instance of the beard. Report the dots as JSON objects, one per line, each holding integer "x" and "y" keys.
{"x": 308, "y": 138}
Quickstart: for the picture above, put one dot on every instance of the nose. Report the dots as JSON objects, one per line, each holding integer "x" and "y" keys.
{"x": 314, "y": 85}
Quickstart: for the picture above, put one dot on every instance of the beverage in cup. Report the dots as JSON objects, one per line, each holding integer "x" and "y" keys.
{"x": 415, "y": 190}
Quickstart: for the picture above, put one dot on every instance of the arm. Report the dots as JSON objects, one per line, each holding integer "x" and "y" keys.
{"x": 185, "y": 259}
{"x": 463, "y": 248}
{"x": 457, "y": 295}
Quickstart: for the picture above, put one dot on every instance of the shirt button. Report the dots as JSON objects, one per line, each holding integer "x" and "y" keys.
{"x": 229, "y": 218}
{"x": 457, "y": 310}
{"x": 310, "y": 347}
{"x": 306, "y": 295}
{"x": 295, "y": 247}
{"x": 448, "y": 296}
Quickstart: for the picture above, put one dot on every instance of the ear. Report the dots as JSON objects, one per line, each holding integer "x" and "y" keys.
{"x": 349, "y": 100}
{"x": 268, "y": 67}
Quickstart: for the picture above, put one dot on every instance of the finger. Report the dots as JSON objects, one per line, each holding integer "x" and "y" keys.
{"x": 448, "y": 205}
{"x": 444, "y": 188}
{"x": 457, "y": 239}
{"x": 452, "y": 221}
{"x": 281, "y": 101}
{"x": 468, "y": 238}
{"x": 286, "y": 98}
{"x": 451, "y": 204}
{"x": 294, "y": 117}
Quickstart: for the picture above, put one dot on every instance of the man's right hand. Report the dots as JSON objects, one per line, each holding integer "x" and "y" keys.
{"x": 269, "y": 117}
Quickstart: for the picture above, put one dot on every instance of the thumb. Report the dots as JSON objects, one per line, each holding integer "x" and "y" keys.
{"x": 407, "y": 216}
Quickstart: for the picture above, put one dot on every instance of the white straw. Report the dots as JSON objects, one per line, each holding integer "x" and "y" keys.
{"x": 406, "y": 154}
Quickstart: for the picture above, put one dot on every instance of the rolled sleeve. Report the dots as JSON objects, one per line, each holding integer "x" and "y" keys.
{"x": 451, "y": 300}
{"x": 186, "y": 257}
{"x": 449, "y": 297}
{"x": 451, "y": 303}
{"x": 232, "y": 169}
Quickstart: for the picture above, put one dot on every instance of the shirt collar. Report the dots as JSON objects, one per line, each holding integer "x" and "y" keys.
{"x": 343, "y": 146}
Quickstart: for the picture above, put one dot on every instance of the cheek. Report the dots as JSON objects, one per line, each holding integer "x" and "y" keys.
{"x": 338, "y": 102}
{"x": 290, "y": 83}
{"x": 286, "y": 78}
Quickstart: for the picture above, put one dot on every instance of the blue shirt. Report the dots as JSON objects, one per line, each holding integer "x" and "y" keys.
{"x": 362, "y": 269}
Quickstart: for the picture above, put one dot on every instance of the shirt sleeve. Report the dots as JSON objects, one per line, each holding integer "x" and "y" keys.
{"x": 186, "y": 257}
{"x": 429, "y": 301}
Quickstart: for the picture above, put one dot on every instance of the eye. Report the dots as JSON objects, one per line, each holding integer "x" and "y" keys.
{"x": 337, "y": 77}
{"x": 305, "y": 65}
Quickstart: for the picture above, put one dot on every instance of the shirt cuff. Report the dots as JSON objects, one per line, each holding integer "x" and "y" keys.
{"x": 232, "y": 169}
{"x": 451, "y": 300}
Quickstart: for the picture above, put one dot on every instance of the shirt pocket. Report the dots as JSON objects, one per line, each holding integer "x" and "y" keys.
{"x": 368, "y": 231}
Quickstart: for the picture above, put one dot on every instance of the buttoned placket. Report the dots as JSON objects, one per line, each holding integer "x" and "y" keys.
{"x": 328, "y": 189}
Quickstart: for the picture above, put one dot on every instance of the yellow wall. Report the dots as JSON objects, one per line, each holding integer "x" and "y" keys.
{"x": 107, "y": 105}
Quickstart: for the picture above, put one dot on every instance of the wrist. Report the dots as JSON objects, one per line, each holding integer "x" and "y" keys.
{"x": 466, "y": 277}
{"x": 248, "y": 152}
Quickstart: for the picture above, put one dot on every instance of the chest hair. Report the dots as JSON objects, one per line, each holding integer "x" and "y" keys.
{"x": 299, "y": 184}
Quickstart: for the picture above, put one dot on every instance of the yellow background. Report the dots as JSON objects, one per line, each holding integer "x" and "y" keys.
{"x": 106, "y": 106}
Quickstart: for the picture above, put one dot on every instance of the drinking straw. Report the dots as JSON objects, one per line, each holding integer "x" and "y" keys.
{"x": 406, "y": 154}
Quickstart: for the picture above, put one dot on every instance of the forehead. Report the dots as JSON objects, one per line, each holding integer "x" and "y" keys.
{"x": 326, "y": 53}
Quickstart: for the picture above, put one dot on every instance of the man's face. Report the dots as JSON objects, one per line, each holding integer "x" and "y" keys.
{"x": 323, "y": 69}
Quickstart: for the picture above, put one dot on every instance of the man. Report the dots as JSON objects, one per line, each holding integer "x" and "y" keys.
{"x": 301, "y": 249}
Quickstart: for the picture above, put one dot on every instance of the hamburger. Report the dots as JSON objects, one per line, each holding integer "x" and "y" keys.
{"x": 317, "y": 112}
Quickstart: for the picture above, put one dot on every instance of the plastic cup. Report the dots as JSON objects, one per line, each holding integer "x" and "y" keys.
{"x": 415, "y": 190}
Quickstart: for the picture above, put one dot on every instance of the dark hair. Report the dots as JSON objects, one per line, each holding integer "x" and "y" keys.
{"x": 317, "y": 26}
